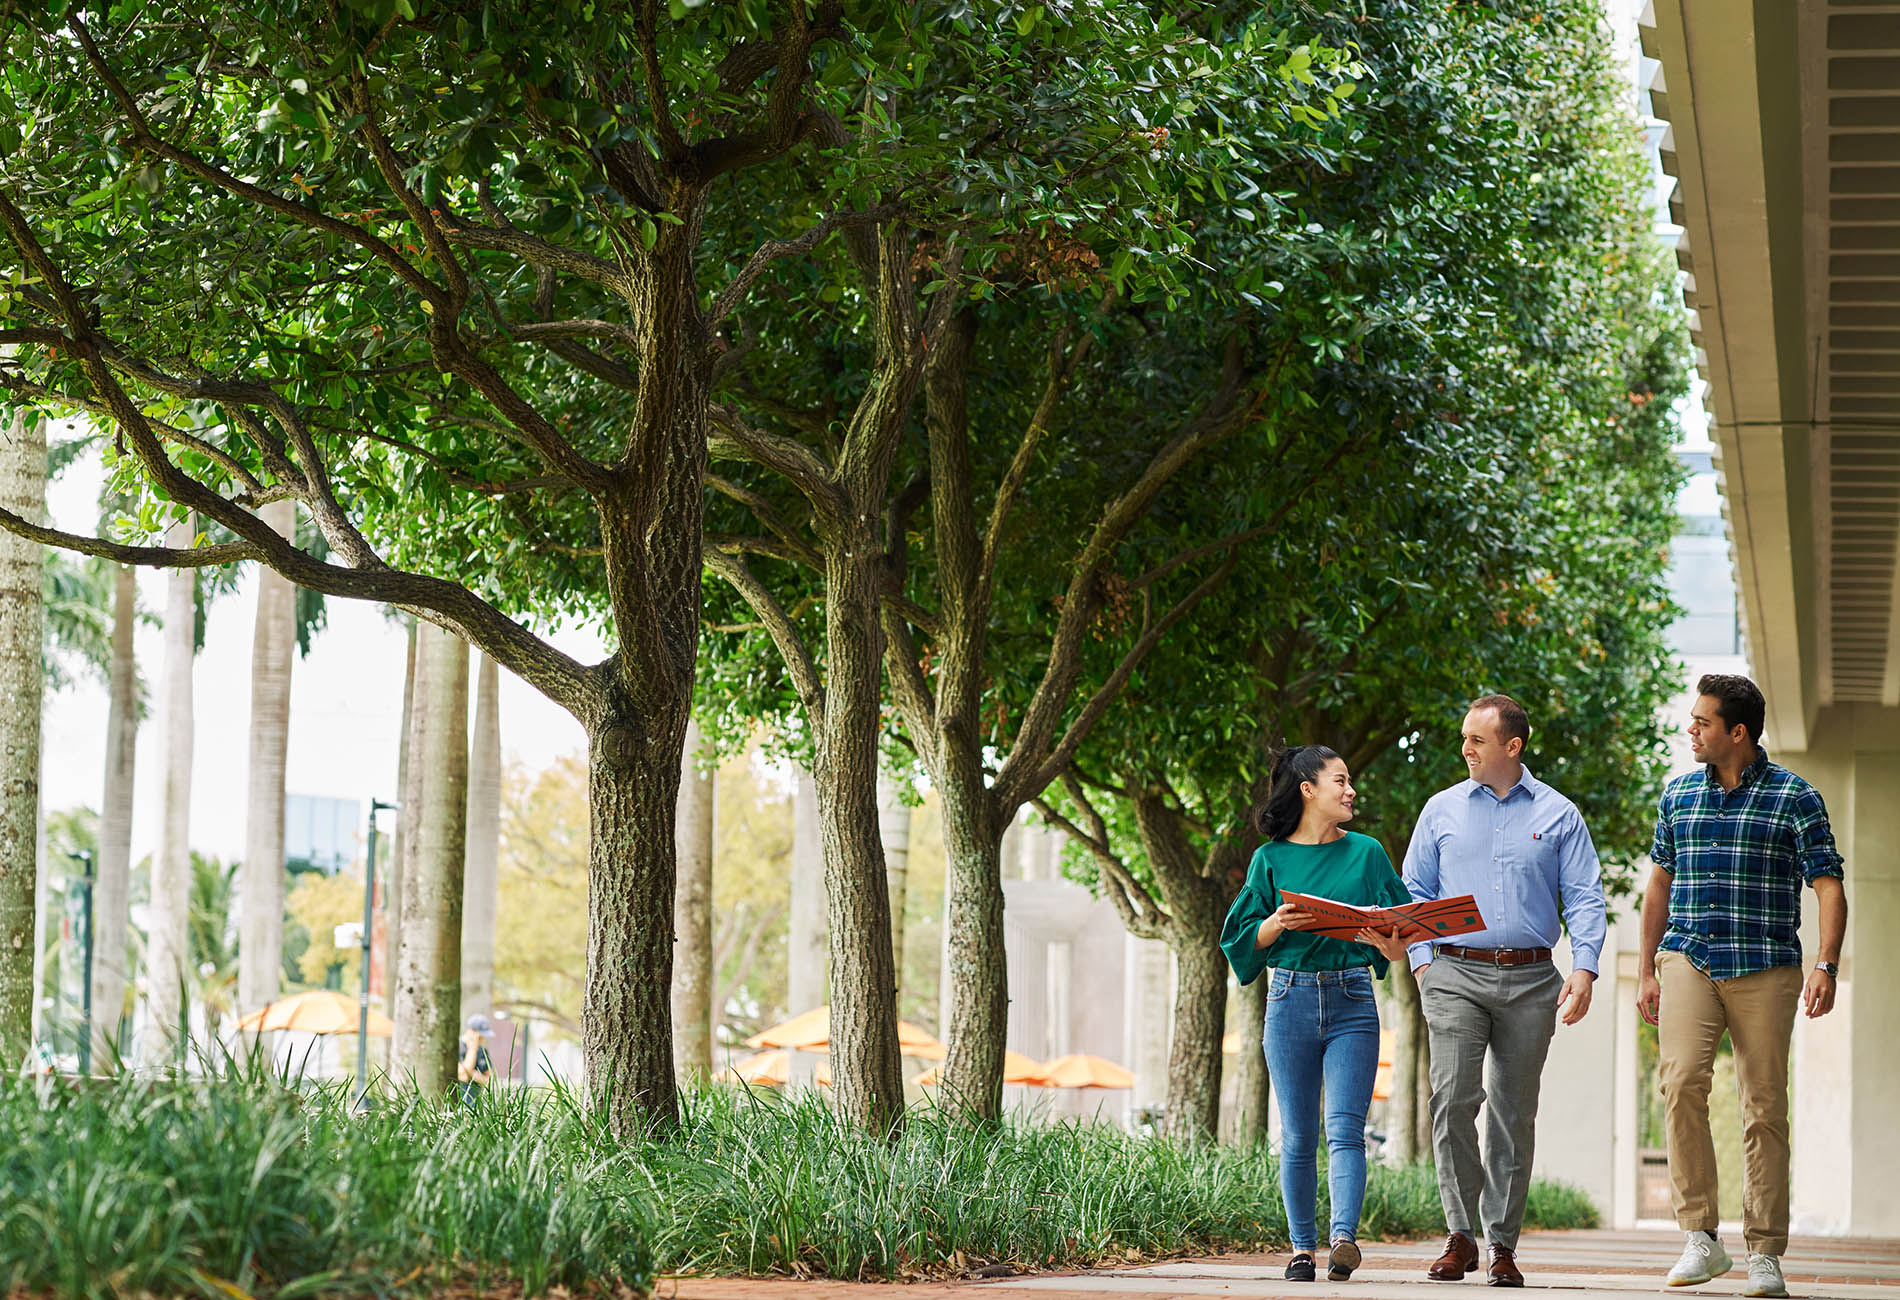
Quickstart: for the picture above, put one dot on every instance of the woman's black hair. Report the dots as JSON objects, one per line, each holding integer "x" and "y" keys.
{"x": 1280, "y": 815}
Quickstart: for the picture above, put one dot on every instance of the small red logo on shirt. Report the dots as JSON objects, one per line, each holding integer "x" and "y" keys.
{"x": 1536, "y": 835}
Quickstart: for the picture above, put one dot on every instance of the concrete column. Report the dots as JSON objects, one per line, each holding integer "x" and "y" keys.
{"x": 805, "y": 959}
{"x": 1873, "y": 1018}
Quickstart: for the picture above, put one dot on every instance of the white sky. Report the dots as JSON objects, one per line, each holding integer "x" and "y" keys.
{"x": 345, "y": 711}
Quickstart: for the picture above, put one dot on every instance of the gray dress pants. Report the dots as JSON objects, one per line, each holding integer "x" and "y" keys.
{"x": 1474, "y": 1010}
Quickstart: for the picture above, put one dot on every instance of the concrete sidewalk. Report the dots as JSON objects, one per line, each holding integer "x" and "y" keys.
{"x": 1600, "y": 1265}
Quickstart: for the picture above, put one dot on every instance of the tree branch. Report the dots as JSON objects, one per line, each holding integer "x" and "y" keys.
{"x": 780, "y": 627}
{"x": 732, "y": 437}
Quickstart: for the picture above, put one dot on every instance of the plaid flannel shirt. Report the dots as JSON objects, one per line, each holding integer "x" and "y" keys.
{"x": 1738, "y": 859}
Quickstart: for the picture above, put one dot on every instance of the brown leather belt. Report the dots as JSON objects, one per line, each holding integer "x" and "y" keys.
{"x": 1497, "y": 956}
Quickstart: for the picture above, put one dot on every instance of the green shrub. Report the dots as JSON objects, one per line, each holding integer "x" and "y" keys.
{"x": 238, "y": 1185}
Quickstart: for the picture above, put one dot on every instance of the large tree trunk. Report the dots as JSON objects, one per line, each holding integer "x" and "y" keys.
{"x": 168, "y": 947}
{"x": 22, "y": 615}
{"x": 1250, "y": 1076}
{"x": 894, "y": 828}
{"x": 973, "y": 968}
{"x": 626, "y": 1017}
{"x": 482, "y": 883}
{"x": 261, "y": 876}
{"x": 806, "y": 947}
{"x": 692, "y": 919}
{"x": 111, "y": 889}
{"x": 1200, "y": 1019}
{"x": 429, "y": 963}
{"x": 867, "y": 1073}
{"x": 1409, "y": 1120}
{"x": 412, "y": 769}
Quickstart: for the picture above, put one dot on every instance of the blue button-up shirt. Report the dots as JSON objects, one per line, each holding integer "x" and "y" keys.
{"x": 1737, "y": 860}
{"x": 1526, "y": 858}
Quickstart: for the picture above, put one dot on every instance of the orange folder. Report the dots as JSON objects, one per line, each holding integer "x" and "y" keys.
{"x": 1438, "y": 918}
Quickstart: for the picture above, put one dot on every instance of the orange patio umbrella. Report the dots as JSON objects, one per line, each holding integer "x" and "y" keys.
{"x": 1381, "y": 1082}
{"x": 1080, "y": 1070}
{"x": 771, "y": 1069}
{"x": 1017, "y": 1068}
{"x": 811, "y": 1032}
{"x": 323, "y": 1011}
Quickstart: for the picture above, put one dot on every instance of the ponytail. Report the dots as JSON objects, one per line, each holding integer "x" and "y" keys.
{"x": 1280, "y": 815}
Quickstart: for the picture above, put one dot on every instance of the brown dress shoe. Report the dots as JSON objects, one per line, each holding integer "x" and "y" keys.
{"x": 1504, "y": 1270}
{"x": 1460, "y": 1258}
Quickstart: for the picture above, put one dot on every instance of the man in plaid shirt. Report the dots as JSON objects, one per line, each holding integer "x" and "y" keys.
{"x": 1734, "y": 844}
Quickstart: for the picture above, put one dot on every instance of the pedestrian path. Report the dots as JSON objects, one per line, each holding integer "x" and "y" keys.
{"x": 1586, "y": 1265}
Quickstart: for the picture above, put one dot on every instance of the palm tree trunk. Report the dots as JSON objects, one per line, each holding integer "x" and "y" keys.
{"x": 169, "y": 945}
{"x": 692, "y": 919}
{"x": 111, "y": 889}
{"x": 806, "y": 947}
{"x": 482, "y": 883}
{"x": 22, "y": 574}
{"x": 261, "y": 877}
{"x": 894, "y": 826}
{"x": 429, "y": 964}
{"x": 410, "y": 771}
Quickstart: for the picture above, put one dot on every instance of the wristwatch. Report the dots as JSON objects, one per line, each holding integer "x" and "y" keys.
{"x": 1829, "y": 968}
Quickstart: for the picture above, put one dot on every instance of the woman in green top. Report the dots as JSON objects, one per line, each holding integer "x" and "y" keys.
{"x": 1322, "y": 1026}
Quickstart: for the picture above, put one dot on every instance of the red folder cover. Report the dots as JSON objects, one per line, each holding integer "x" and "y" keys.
{"x": 1438, "y": 918}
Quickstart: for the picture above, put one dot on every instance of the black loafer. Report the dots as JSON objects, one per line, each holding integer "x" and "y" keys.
{"x": 1300, "y": 1267}
{"x": 1342, "y": 1259}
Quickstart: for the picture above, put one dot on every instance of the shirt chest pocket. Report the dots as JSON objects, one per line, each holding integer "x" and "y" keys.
{"x": 1539, "y": 847}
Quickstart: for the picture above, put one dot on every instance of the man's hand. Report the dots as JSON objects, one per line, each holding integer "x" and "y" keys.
{"x": 1577, "y": 990}
{"x": 1817, "y": 996}
{"x": 1649, "y": 997}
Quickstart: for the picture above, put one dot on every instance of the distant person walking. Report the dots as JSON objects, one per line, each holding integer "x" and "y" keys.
{"x": 473, "y": 1065}
{"x": 1522, "y": 851}
{"x": 1322, "y": 1025}
{"x": 1734, "y": 844}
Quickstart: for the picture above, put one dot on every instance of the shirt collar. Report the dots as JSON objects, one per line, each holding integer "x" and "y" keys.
{"x": 1529, "y": 784}
{"x": 1750, "y": 774}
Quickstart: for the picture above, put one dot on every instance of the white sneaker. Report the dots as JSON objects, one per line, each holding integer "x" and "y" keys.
{"x": 1704, "y": 1259}
{"x": 1764, "y": 1276}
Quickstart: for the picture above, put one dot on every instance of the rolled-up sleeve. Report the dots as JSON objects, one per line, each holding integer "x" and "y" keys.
{"x": 1242, "y": 928}
{"x": 1662, "y": 850}
{"x": 1580, "y": 879}
{"x": 1421, "y": 876}
{"x": 1814, "y": 845}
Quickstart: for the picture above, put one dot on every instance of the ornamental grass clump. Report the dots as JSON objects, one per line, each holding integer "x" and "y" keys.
{"x": 235, "y": 1185}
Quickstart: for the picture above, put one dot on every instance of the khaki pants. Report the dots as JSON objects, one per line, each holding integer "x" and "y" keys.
{"x": 1758, "y": 1011}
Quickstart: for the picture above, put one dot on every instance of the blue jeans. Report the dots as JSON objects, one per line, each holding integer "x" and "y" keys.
{"x": 1322, "y": 1028}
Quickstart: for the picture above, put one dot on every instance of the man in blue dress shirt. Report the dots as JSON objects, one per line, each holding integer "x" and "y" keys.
{"x": 1522, "y": 851}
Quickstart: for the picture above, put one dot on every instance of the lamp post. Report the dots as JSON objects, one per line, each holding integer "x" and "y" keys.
{"x": 369, "y": 921}
{"x": 84, "y": 857}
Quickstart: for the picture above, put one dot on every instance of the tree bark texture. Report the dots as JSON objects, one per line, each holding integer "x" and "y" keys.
{"x": 412, "y": 774}
{"x": 482, "y": 883}
{"x": 167, "y": 948}
{"x": 693, "y": 919}
{"x": 973, "y": 969}
{"x": 867, "y": 1073}
{"x": 894, "y": 830}
{"x": 1200, "y": 1019}
{"x": 22, "y": 617}
{"x": 1408, "y": 1113}
{"x": 261, "y": 874}
{"x": 626, "y": 1017}
{"x": 806, "y": 943}
{"x": 112, "y": 885}
{"x": 1250, "y": 1084}
{"x": 429, "y": 963}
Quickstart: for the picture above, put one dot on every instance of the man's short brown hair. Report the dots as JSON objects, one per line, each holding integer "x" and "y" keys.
{"x": 1512, "y": 720}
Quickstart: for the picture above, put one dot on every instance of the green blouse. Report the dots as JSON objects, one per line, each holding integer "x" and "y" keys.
{"x": 1353, "y": 869}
